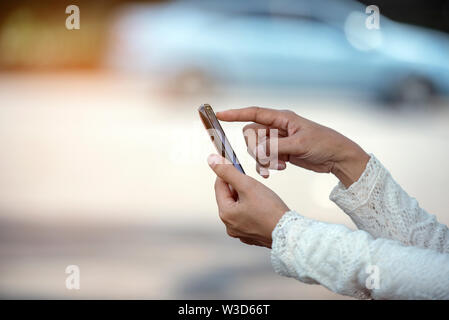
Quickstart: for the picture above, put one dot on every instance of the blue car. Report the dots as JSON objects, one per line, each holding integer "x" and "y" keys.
{"x": 193, "y": 45}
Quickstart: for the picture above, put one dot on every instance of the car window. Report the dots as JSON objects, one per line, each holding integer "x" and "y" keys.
{"x": 288, "y": 35}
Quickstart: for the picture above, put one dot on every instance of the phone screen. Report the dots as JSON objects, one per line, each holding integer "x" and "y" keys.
{"x": 218, "y": 136}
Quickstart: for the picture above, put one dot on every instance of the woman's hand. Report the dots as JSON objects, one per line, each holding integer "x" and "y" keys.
{"x": 252, "y": 211}
{"x": 299, "y": 141}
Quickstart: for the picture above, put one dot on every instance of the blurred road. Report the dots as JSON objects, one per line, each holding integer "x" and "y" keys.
{"x": 99, "y": 171}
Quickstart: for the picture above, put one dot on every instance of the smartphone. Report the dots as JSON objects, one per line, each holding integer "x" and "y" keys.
{"x": 218, "y": 136}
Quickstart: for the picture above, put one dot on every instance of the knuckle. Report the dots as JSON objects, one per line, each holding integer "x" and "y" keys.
{"x": 301, "y": 140}
{"x": 224, "y": 216}
{"x": 256, "y": 110}
{"x": 219, "y": 169}
{"x": 230, "y": 219}
{"x": 249, "y": 133}
{"x": 228, "y": 216}
{"x": 246, "y": 184}
{"x": 290, "y": 113}
{"x": 248, "y": 127}
{"x": 237, "y": 225}
{"x": 231, "y": 233}
{"x": 216, "y": 184}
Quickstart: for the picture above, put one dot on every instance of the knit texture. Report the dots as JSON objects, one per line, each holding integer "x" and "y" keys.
{"x": 378, "y": 205}
{"x": 400, "y": 251}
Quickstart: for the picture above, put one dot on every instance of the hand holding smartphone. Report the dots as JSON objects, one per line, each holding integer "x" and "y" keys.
{"x": 218, "y": 136}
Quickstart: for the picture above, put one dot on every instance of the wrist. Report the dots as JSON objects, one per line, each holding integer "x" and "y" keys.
{"x": 351, "y": 165}
{"x": 276, "y": 218}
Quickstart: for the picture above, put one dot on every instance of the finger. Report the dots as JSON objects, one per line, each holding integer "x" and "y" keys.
{"x": 277, "y": 150}
{"x": 231, "y": 232}
{"x": 223, "y": 195}
{"x": 268, "y": 117}
{"x": 277, "y": 165}
{"x": 254, "y": 126}
{"x": 226, "y": 171}
{"x": 263, "y": 171}
{"x": 249, "y": 241}
{"x": 254, "y": 134}
{"x": 259, "y": 128}
{"x": 270, "y": 139}
{"x": 289, "y": 145}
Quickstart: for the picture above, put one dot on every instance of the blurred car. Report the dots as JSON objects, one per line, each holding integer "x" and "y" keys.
{"x": 198, "y": 44}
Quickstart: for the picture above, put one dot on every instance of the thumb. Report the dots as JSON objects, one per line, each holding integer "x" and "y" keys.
{"x": 226, "y": 171}
{"x": 289, "y": 145}
{"x": 276, "y": 148}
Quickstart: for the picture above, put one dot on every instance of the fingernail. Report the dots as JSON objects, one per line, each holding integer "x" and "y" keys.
{"x": 281, "y": 166}
{"x": 212, "y": 160}
{"x": 264, "y": 172}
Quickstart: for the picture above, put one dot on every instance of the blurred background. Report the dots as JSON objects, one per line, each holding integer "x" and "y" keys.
{"x": 103, "y": 155}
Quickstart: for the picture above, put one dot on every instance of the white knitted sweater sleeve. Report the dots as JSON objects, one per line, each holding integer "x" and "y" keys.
{"x": 401, "y": 251}
{"x": 353, "y": 263}
{"x": 378, "y": 205}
